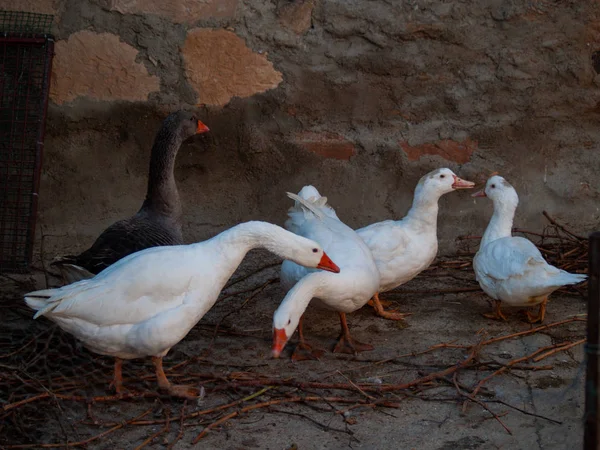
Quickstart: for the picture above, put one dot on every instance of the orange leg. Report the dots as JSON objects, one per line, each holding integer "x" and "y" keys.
{"x": 497, "y": 314}
{"x": 541, "y": 313}
{"x": 173, "y": 389}
{"x": 304, "y": 351}
{"x": 378, "y": 305}
{"x": 117, "y": 381}
{"x": 381, "y": 302}
{"x": 345, "y": 342}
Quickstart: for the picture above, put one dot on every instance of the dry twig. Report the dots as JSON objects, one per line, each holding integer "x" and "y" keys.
{"x": 84, "y": 442}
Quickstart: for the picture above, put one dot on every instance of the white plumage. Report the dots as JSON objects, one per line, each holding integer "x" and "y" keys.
{"x": 402, "y": 249}
{"x": 511, "y": 269}
{"x": 345, "y": 292}
{"x": 148, "y": 301}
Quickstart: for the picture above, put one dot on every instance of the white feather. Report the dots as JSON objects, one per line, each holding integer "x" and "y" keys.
{"x": 402, "y": 249}
{"x": 346, "y": 291}
{"x": 511, "y": 268}
{"x": 148, "y": 301}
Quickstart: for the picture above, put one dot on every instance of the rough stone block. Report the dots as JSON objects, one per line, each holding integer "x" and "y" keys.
{"x": 101, "y": 67}
{"x": 219, "y": 66}
{"x": 181, "y": 11}
{"x": 296, "y": 15}
{"x": 34, "y": 6}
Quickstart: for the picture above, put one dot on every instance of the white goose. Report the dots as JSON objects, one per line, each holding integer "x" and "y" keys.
{"x": 402, "y": 249}
{"x": 148, "y": 301}
{"x": 511, "y": 269}
{"x": 344, "y": 292}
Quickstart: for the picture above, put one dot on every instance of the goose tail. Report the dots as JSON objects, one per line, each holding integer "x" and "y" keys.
{"x": 42, "y": 301}
{"x": 72, "y": 273}
{"x": 566, "y": 278}
{"x": 64, "y": 259}
{"x": 309, "y": 205}
{"x": 306, "y": 205}
{"x": 309, "y": 199}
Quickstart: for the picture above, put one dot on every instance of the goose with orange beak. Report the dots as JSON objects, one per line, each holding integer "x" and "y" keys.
{"x": 342, "y": 292}
{"x": 147, "y": 302}
{"x": 158, "y": 222}
{"x": 402, "y": 249}
{"x": 511, "y": 269}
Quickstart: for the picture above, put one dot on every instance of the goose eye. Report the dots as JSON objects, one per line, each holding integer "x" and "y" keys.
{"x": 315, "y": 250}
{"x": 289, "y": 321}
{"x": 493, "y": 186}
{"x": 442, "y": 176}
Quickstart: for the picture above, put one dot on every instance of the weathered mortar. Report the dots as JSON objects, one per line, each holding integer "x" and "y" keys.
{"x": 373, "y": 95}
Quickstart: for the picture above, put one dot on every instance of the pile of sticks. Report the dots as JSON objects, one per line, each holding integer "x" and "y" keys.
{"x": 44, "y": 373}
{"x": 39, "y": 387}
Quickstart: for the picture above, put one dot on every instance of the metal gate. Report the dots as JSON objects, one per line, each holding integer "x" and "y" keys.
{"x": 26, "y": 50}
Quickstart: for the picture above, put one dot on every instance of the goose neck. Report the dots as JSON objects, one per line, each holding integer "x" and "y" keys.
{"x": 299, "y": 296}
{"x": 424, "y": 210}
{"x": 500, "y": 224}
{"x": 249, "y": 235}
{"x": 162, "y": 196}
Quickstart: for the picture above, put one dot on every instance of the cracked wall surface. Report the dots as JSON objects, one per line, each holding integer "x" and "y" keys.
{"x": 358, "y": 98}
{"x": 99, "y": 67}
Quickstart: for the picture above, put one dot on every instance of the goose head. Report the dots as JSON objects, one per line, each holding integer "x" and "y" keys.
{"x": 311, "y": 254}
{"x": 287, "y": 316}
{"x": 298, "y": 249}
{"x": 499, "y": 191}
{"x": 186, "y": 124}
{"x": 281, "y": 335}
{"x": 440, "y": 182}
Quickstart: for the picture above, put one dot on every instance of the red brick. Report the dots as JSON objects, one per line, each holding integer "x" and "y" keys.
{"x": 459, "y": 152}
{"x": 326, "y": 144}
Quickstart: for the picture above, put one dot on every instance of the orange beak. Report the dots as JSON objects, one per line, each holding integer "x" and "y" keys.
{"x": 480, "y": 193}
{"x": 201, "y": 128}
{"x": 459, "y": 183}
{"x": 279, "y": 341}
{"x": 327, "y": 264}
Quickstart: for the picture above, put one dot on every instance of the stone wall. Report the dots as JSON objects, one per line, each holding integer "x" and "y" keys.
{"x": 358, "y": 97}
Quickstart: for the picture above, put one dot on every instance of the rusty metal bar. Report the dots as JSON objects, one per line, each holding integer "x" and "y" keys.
{"x": 591, "y": 437}
{"x": 40, "y": 143}
{"x": 25, "y": 67}
{"x": 22, "y": 40}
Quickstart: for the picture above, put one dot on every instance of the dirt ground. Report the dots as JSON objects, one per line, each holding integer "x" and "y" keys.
{"x": 534, "y": 408}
